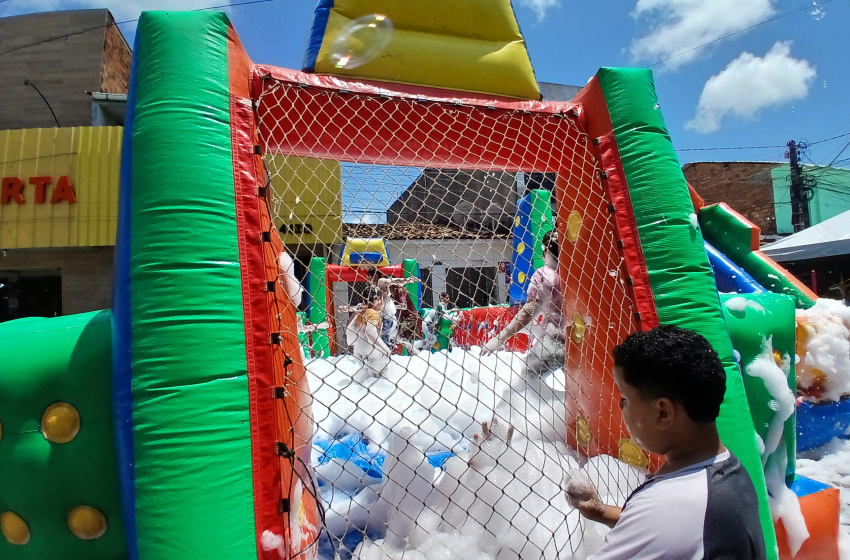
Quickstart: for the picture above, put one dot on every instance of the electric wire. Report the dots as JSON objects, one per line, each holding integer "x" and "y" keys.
{"x": 126, "y": 21}
{"x": 774, "y": 18}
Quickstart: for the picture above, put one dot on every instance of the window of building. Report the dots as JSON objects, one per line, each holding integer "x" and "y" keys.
{"x": 428, "y": 297}
{"x": 472, "y": 286}
{"x": 30, "y": 293}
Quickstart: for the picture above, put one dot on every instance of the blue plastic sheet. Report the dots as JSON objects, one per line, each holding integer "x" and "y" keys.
{"x": 818, "y": 424}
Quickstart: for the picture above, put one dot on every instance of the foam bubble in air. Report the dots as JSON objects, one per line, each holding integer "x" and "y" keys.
{"x": 361, "y": 41}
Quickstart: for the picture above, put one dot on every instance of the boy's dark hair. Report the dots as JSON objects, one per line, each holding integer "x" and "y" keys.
{"x": 835, "y": 292}
{"x": 676, "y": 363}
{"x": 374, "y": 272}
{"x": 550, "y": 243}
{"x": 444, "y": 295}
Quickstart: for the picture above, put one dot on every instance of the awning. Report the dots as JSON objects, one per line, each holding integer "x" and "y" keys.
{"x": 826, "y": 239}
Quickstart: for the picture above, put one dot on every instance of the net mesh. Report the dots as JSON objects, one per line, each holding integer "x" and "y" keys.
{"x": 426, "y": 447}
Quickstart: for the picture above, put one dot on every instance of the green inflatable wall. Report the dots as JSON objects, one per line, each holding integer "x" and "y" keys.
{"x": 319, "y": 305}
{"x": 733, "y": 237}
{"x": 759, "y": 323}
{"x": 190, "y": 408}
{"x": 679, "y": 273}
{"x": 45, "y": 362}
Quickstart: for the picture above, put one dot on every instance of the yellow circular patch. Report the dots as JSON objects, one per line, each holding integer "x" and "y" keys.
{"x": 631, "y": 454}
{"x": 14, "y": 528}
{"x": 516, "y": 221}
{"x": 579, "y": 328}
{"x": 574, "y": 224}
{"x": 86, "y": 522}
{"x": 777, "y": 357}
{"x": 520, "y": 249}
{"x": 583, "y": 435}
{"x": 60, "y": 422}
{"x": 520, "y": 277}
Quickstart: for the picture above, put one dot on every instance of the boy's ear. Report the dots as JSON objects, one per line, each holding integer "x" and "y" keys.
{"x": 665, "y": 413}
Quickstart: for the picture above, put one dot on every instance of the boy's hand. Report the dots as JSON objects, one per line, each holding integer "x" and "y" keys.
{"x": 581, "y": 495}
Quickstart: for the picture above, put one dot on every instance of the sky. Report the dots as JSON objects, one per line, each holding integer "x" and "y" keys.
{"x": 724, "y": 77}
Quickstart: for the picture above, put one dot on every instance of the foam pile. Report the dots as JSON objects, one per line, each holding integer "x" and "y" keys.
{"x": 823, "y": 351}
{"x": 402, "y": 473}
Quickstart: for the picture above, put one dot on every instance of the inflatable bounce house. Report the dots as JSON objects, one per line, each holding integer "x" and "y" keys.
{"x": 190, "y": 422}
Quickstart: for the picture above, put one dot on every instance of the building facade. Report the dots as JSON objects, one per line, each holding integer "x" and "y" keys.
{"x": 59, "y": 174}
{"x": 65, "y": 55}
{"x": 761, "y": 191}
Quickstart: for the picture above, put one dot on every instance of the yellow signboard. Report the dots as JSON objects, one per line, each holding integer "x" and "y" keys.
{"x": 59, "y": 187}
{"x": 306, "y": 199}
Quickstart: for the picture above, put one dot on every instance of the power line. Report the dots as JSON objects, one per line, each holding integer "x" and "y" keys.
{"x": 729, "y": 148}
{"x": 839, "y": 153}
{"x": 762, "y": 147}
{"x": 117, "y": 23}
{"x": 780, "y": 16}
{"x": 827, "y": 139}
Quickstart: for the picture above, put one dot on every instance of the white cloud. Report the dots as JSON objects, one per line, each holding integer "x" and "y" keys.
{"x": 539, "y": 6}
{"x": 749, "y": 84}
{"x": 681, "y": 25}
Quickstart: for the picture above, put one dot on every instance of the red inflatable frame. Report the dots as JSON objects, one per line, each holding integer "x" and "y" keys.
{"x": 342, "y": 273}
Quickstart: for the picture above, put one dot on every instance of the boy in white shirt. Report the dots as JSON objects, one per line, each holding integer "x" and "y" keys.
{"x": 701, "y": 503}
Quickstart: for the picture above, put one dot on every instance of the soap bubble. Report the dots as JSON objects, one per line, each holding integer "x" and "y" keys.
{"x": 361, "y": 40}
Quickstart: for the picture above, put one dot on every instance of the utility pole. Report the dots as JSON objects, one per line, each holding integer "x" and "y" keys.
{"x": 799, "y": 203}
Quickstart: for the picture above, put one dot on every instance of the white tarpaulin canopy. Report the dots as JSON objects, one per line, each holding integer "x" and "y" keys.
{"x": 827, "y": 239}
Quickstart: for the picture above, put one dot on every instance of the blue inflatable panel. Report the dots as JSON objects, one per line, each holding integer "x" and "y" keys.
{"x": 730, "y": 277}
{"x": 803, "y": 486}
{"x": 122, "y": 397}
{"x": 818, "y": 424}
{"x": 522, "y": 263}
{"x": 317, "y": 34}
{"x": 360, "y": 258}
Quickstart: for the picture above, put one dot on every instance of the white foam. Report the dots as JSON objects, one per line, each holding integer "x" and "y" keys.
{"x": 692, "y": 218}
{"x": 741, "y": 304}
{"x": 784, "y": 503}
{"x": 494, "y": 497}
{"x": 828, "y": 348}
{"x": 776, "y": 384}
{"x": 272, "y": 541}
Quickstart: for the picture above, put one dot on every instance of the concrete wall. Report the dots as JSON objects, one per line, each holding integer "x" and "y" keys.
{"x": 86, "y": 273}
{"x": 745, "y": 186}
{"x": 65, "y": 54}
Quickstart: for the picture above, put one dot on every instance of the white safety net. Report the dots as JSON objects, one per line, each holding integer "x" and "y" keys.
{"x": 424, "y": 445}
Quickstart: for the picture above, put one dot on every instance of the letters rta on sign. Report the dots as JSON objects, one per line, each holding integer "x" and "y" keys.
{"x": 14, "y": 189}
